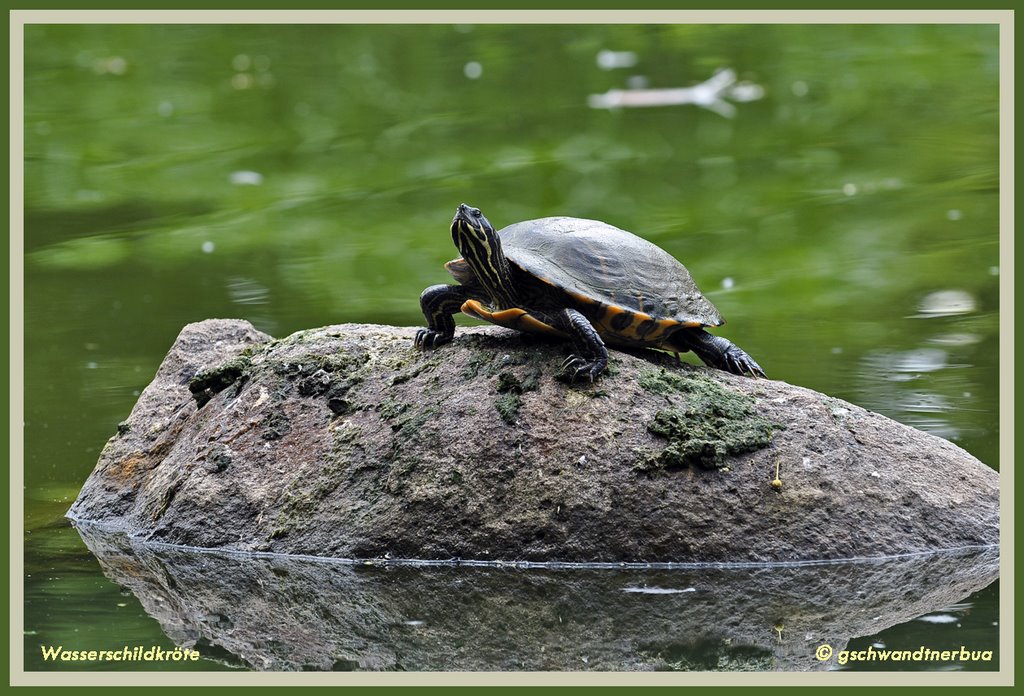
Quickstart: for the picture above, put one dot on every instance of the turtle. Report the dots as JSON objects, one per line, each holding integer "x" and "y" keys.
{"x": 581, "y": 280}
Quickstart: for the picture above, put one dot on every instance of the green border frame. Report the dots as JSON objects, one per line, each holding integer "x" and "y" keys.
{"x": 1010, "y": 381}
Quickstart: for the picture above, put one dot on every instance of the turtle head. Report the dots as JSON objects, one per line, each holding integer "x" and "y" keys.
{"x": 480, "y": 246}
{"x": 470, "y": 227}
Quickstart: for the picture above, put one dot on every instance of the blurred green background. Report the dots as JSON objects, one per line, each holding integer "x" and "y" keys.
{"x": 844, "y": 219}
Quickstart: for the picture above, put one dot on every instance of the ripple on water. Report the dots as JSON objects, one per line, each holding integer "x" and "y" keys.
{"x": 955, "y": 339}
{"x": 246, "y": 291}
{"x": 887, "y": 378}
{"x": 945, "y": 303}
{"x": 920, "y": 360}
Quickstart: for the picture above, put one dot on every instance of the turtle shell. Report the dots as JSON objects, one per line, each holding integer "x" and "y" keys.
{"x": 634, "y": 281}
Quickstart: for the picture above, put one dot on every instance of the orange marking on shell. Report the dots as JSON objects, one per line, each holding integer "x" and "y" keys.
{"x": 664, "y": 326}
{"x": 631, "y": 330}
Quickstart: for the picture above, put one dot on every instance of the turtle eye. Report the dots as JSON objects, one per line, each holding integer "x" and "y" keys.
{"x": 475, "y": 212}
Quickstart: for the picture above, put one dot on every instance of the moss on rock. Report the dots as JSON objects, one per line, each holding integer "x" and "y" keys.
{"x": 709, "y": 425}
{"x": 208, "y": 383}
{"x": 510, "y": 388}
{"x": 508, "y": 405}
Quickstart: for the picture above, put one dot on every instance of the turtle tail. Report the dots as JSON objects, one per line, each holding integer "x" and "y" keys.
{"x": 715, "y": 351}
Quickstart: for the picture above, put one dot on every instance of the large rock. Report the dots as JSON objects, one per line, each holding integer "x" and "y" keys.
{"x": 347, "y": 442}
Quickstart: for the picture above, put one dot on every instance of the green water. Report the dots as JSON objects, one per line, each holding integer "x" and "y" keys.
{"x": 845, "y": 222}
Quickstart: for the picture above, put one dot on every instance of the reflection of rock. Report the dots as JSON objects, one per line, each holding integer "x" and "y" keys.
{"x": 285, "y": 613}
{"x": 346, "y": 442}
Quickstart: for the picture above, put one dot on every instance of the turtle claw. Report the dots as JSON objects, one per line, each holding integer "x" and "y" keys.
{"x": 429, "y": 338}
{"x": 742, "y": 364}
{"x": 577, "y": 368}
{"x": 749, "y": 367}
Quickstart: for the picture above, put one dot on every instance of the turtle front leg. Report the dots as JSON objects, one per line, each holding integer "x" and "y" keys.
{"x": 591, "y": 357}
{"x": 440, "y": 303}
{"x": 716, "y": 351}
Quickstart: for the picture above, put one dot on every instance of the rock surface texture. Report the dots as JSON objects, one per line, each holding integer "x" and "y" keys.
{"x": 345, "y": 441}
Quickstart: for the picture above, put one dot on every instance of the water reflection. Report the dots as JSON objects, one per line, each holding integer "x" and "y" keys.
{"x": 908, "y": 364}
{"x": 710, "y": 94}
{"x": 955, "y": 339}
{"x": 944, "y": 303}
{"x": 282, "y": 613}
{"x": 245, "y": 177}
{"x": 918, "y": 387}
{"x": 246, "y": 291}
{"x": 610, "y": 60}
{"x": 929, "y": 386}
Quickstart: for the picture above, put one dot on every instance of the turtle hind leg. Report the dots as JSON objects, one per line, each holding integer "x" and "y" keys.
{"x": 591, "y": 356}
{"x": 513, "y": 318}
{"x": 715, "y": 351}
{"x": 440, "y": 303}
